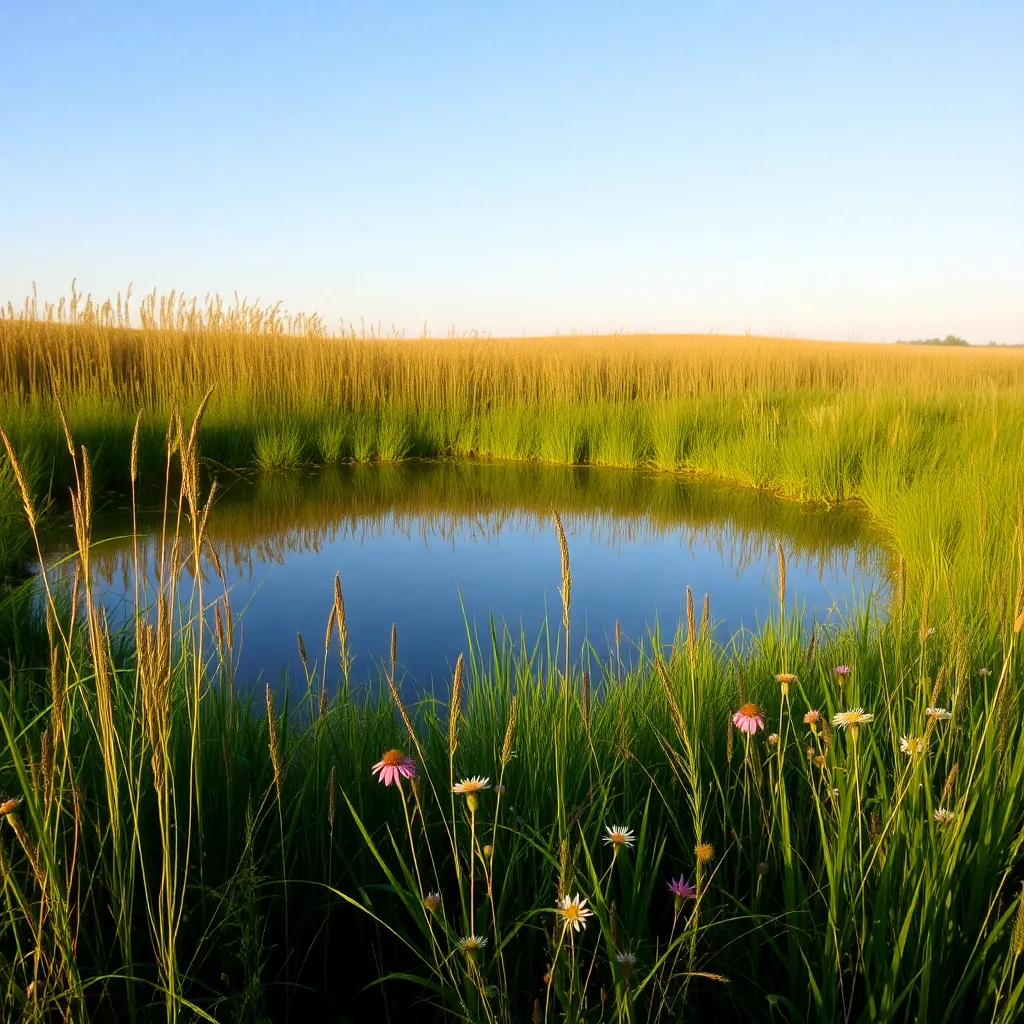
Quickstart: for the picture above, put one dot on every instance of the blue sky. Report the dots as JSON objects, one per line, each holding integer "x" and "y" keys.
{"x": 836, "y": 170}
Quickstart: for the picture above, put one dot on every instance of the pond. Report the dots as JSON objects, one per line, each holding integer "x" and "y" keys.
{"x": 438, "y": 548}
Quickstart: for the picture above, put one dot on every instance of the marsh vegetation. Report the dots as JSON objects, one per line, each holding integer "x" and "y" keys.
{"x": 824, "y": 825}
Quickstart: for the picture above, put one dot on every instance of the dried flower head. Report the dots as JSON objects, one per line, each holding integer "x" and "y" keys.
{"x": 813, "y": 718}
{"x": 704, "y": 852}
{"x": 432, "y": 901}
{"x": 784, "y": 679}
{"x": 10, "y": 805}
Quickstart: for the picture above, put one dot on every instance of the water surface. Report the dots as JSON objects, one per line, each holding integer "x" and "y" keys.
{"x": 434, "y": 547}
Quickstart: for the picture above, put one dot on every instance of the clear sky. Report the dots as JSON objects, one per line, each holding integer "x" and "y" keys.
{"x": 826, "y": 169}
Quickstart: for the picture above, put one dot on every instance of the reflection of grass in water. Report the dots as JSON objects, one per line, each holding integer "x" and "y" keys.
{"x": 269, "y": 515}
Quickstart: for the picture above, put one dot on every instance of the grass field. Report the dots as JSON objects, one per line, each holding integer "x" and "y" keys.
{"x": 177, "y": 855}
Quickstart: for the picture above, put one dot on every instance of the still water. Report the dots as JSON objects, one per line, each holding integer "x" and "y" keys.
{"x": 439, "y": 548}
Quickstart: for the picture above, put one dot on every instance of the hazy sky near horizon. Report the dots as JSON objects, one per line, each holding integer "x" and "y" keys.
{"x": 824, "y": 169}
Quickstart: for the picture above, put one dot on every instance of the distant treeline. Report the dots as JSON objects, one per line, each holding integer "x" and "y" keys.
{"x": 949, "y": 339}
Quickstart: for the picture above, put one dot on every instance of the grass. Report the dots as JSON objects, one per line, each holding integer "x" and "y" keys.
{"x": 170, "y": 852}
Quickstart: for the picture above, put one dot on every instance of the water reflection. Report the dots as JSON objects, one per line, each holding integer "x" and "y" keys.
{"x": 413, "y": 540}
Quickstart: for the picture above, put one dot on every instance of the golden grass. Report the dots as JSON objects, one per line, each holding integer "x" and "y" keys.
{"x": 259, "y": 353}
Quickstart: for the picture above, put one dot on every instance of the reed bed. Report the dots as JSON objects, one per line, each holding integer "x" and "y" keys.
{"x": 826, "y": 826}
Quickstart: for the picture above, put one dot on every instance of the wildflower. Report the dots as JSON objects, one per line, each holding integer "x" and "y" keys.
{"x": 811, "y": 753}
{"x": 681, "y": 889}
{"x": 774, "y": 739}
{"x": 393, "y": 767}
{"x": 851, "y": 719}
{"x": 432, "y": 901}
{"x": 748, "y": 719}
{"x": 10, "y": 805}
{"x": 819, "y": 760}
{"x": 834, "y": 793}
{"x": 938, "y": 714}
{"x": 841, "y": 672}
{"x": 913, "y": 746}
{"x": 470, "y": 788}
{"x": 575, "y": 911}
{"x": 626, "y": 958}
{"x": 784, "y": 679}
{"x": 813, "y": 720}
{"x": 472, "y": 944}
{"x": 704, "y": 852}
{"x": 984, "y": 671}
{"x": 618, "y": 836}
{"x": 943, "y": 817}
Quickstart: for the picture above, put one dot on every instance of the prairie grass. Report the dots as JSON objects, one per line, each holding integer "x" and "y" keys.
{"x": 169, "y": 851}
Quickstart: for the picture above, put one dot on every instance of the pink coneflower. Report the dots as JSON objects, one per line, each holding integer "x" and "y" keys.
{"x": 393, "y": 767}
{"x": 681, "y": 889}
{"x": 748, "y": 719}
{"x": 841, "y": 672}
{"x": 813, "y": 719}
